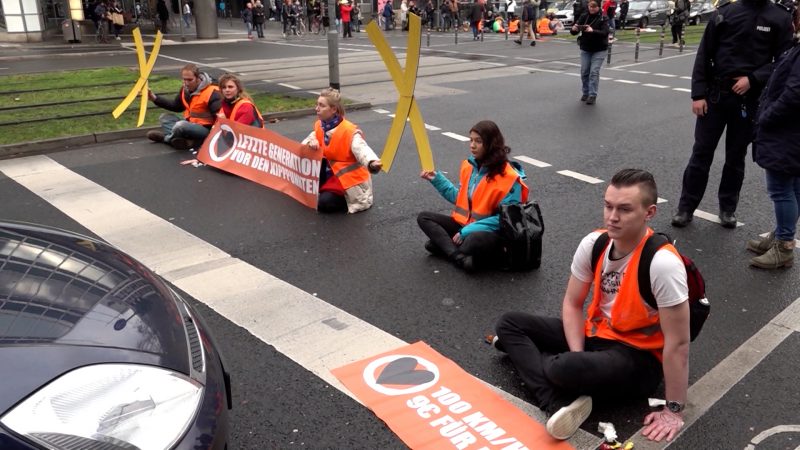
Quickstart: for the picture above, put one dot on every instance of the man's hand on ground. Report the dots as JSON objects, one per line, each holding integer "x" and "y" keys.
{"x": 662, "y": 424}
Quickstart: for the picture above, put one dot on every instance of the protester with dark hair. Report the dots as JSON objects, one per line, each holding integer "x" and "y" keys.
{"x": 776, "y": 148}
{"x": 200, "y": 101}
{"x": 622, "y": 346}
{"x": 593, "y": 41}
{"x": 163, "y": 15}
{"x": 345, "y": 181}
{"x": 469, "y": 235}
{"x": 237, "y": 105}
{"x": 734, "y": 60}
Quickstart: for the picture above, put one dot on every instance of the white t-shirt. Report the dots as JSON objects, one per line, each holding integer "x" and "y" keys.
{"x": 667, "y": 275}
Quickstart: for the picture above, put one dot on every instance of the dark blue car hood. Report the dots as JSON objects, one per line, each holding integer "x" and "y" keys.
{"x": 68, "y": 300}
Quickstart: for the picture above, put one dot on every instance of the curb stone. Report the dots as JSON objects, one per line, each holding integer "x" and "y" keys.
{"x": 68, "y": 143}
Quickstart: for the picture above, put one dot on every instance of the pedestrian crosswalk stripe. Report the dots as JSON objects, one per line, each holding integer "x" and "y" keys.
{"x": 580, "y": 176}
{"x": 531, "y": 161}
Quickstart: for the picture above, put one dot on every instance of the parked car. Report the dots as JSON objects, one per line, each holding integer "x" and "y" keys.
{"x": 701, "y": 12}
{"x": 642, "y": 13}
{"x": 100, "y": 352}
{"x": 563, "y": 11}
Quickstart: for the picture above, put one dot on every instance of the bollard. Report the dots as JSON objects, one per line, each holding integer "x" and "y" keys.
{"x": 429, "y": 38}
{"x": 481, "y": 33}
{"x": 681, "y": 40}
{"x": 661, "y": 44}
{"x": 506, "y": 27}
{"x": 608, "y": 58}
{"x": 456, "y": 29}
{"x": 636, "y": 49}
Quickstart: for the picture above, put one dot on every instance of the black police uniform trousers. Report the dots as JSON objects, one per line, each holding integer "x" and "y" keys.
{"x": 556, "y": 376}
{"x": 726, "y": 112}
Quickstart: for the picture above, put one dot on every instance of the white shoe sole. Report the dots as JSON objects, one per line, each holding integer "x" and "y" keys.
{"x": 566, "y": 421}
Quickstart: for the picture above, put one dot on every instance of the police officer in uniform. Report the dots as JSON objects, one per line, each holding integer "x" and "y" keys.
{"x": 733, "y": 62}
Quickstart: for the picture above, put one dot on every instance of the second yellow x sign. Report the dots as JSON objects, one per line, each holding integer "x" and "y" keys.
{"x": 407, "y": 107}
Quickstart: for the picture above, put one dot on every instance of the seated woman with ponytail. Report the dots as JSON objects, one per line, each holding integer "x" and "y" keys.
{"x": 469, "y": 236}
{"x": 236, "y": 104}
{"x": 345, "y": 183}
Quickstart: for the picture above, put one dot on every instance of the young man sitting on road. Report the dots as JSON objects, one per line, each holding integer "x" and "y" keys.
{"x": 200, "y": 101}
{"x": 623, "y": 346}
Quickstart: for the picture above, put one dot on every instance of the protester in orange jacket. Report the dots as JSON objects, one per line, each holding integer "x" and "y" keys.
{"x": 345, "y": 182}
{"x": 469, "y": 235}
{"x": 236, "y": 103}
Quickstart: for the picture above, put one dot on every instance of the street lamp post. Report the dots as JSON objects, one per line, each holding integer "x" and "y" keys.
{"x": 333, "y": 46}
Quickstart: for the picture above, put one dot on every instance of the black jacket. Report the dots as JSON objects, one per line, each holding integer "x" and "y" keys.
{"x": 476, "y": 13}
{"x": 597, "y": 39}
{"x": 777, "y": 143}
{"x": 742, "y": 39}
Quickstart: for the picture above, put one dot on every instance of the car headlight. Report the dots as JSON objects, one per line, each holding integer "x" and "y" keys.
{"x": 637, "y": 16}
{"x": 109, "y": 406}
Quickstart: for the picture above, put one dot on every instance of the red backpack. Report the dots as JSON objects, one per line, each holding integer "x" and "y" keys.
{"x": 699, "y": 306}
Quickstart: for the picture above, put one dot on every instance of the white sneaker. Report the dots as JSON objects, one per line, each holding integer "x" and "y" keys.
{"x": 566, "y": 421}
{"x": 118, "y": 38}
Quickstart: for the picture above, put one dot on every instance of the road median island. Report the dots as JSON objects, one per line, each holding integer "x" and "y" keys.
{"x": 45, "y": 112}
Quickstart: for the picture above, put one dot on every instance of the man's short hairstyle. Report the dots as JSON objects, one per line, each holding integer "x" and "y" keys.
{"x": 191, "y": 68}
{"x": 641, "y": 178}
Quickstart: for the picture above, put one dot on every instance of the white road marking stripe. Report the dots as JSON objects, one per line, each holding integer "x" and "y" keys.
{"x": 431, "y": 127}
{"x": 267, "y": 81}
{"x": 580, "y": 176}
{"x": 381, "y": 111}
{"x": 708, "y": 390}
{"x": 528, "y": 59}
{"x": 531, "y": 161}
{"x": 661, "y": 200}
{"x": 494, "y": 63}
{"x": 547, "y": 70}
{"x": 642, "y": 72}
{"x": 214, "y": 58}
{"x": 659, "y": 86}
{"x": 668, "y": 75}
{"x": 796, "y": 241}
{"x": 455, "y": 136}
{"x": 606, "y": 78}
{"x": 282, "y": 315}
{"x": 681, "y": 89}
{"x": 290, "y": 86}
{"x": 656, "y": 60}
{"x": 572, "y": 74}
{"x": 569, "y": 63}
{"x": 627, "y": 81}
{"x": 313, "y": 92}
{"x": 710, "y": 217}
{"x": 686, "y": 78}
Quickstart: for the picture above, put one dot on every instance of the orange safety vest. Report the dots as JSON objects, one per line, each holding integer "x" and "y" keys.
{"x": 487, "y": 195}
{"x": 543, "y": 27}
{"x": 513, "y": 26}
{"x": 197, "y": 111}
{"x": 632, "y": 321}
{"x": 258, "y": 122}
{"x": 343, "y": 162}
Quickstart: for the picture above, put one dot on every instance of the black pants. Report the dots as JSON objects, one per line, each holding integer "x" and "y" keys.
{"x": 555, "y": 376}
{"x": 483, "y": 246}
{"x": 725, "y": 110}
{"x": 329, "y": 202}
{"x": 346, "y": 30}
{"x": 676, "y": 32}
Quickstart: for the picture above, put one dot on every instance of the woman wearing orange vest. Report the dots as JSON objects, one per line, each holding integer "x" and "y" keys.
{"x": 237, "y": 104}
{"x": 345, "y": 181}
{"x": 487, "y": 180}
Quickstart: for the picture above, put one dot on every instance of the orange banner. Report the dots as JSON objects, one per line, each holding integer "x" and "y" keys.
{"x": 431, "y": 403}
{"x": 265, "y": 157}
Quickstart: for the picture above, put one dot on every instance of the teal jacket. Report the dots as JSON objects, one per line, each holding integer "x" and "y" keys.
{"x": 450, "y": 193}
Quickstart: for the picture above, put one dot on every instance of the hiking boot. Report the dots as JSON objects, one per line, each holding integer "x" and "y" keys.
{"x": 591, "y": 100}
{"x": 727, "y": 219}
{"x": 681, "y": 219}
{"x": 762, "y": 244}
{"x": 566, "y": 421}
{"x": 180, "y": 143}
{"x": 155, "y": 135}
{"x": 781, "y": 254}
{"x": 584, "y": 97}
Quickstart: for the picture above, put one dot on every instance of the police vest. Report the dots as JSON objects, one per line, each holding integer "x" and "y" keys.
{"x": 257, "y": 122}
{"x": 338, "y": 152}
{"x": 632, "y": 321}
{"x": 487, "y": 195}
{"x": 197, "y": 109}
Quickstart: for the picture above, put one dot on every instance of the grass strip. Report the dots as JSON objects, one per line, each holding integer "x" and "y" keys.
{"x": 692, "y": 35}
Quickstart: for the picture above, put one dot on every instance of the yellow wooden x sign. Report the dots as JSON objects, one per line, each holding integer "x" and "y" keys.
{"x": 404, "y": 82}
{"x": 141, "y": 86}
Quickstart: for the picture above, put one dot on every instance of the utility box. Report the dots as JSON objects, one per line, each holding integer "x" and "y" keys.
{"x": 71, "y": 30}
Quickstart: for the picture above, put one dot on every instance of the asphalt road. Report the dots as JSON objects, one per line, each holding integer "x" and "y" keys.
{"x": 372, "y": 265}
